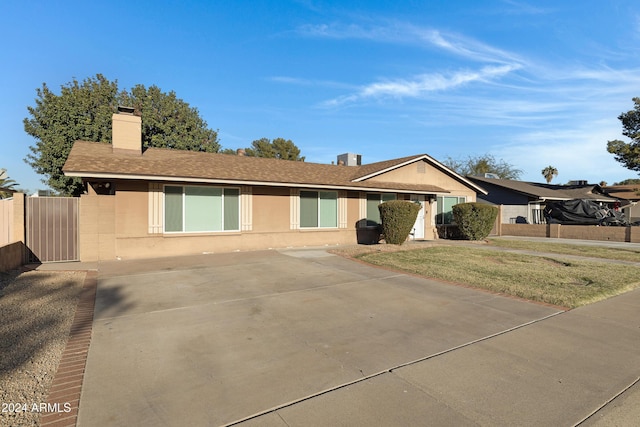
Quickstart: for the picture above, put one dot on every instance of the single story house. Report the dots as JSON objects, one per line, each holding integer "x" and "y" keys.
{"x": 628, "y": 196}
{"x": 523, "y": 202}
{"x": 158, "y": 202}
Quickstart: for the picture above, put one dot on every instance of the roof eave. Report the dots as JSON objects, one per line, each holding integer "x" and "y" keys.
{"x": 429, "y": 159}
{"x": 100, "y": 175}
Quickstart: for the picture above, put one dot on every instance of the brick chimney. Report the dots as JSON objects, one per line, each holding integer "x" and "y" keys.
{"x": 127, "y": 131}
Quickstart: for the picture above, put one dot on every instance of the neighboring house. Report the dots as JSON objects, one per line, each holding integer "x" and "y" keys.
{"x": 629, "y": 196}
{"x": 159, "y": 202}
{"x": 524, "y": 201}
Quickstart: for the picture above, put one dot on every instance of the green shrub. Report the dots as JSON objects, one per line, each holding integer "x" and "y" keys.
{"x": 398, "y": 218}
{"x": 475, "y": 220}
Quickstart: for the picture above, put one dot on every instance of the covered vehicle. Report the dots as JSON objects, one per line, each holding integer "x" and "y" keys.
{"x": 582, "y": 212}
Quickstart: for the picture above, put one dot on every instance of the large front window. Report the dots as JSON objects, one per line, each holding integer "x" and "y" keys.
{"x": 444, "y": 213}
{"x": 193, "y": 209}
{"x": 318, "y": 209}
{"x": 373, "y": 200}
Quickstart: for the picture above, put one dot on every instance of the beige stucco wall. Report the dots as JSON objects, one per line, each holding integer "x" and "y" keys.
{"x": 118, "y": 226}
{"x": 353, "y": 209}
{"x": 97, "y": 227}
{"x": 411, "y": 174}
{"x": 270, "y": 209}
{"x": 131, "y": 209}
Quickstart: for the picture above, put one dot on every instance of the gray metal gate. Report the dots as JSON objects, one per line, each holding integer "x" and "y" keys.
{"x": 52, "y": 229}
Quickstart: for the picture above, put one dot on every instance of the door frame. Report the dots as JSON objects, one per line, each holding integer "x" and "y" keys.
{"x": 419, "y": 232}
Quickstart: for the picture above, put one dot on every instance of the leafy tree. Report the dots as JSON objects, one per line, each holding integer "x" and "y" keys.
{"x": 629, "y": 181}
{"x": 7, "y": 185}
{"x": 228, "y": 151}
{"x": 480, "y": 165}
{"x": 549, "y": 173}
{"x": 628, "y": 153}
{"x": 279, "y": 148}
{"x": 83, "y": 111}
{"x": 169, "y": 122}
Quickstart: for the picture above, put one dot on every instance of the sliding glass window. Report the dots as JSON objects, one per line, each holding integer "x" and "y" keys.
{"x": 373, "y": 200}
{"x": 318, "y": 209}
{"x": 444, "y": 213}
{"x": 196, "y": 209}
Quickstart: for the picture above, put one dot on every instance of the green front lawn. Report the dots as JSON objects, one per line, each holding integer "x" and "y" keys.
{"x": 548, "y": 279}
{"x": 624, "y": 254}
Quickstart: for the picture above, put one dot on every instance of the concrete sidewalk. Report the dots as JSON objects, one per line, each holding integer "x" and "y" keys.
{"x": 302, "y": 337}
{"x": 581, "y": 367}
{"x": 583, "y": 242}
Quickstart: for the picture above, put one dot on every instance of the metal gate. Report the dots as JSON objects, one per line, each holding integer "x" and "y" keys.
{"x": 52, "y": 229}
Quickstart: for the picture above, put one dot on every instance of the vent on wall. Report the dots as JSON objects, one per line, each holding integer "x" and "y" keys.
{"x": 422, "y": 167}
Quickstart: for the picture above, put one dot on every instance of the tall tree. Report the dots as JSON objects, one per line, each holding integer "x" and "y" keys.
{"x": 629, "y": 181}
{"x": 549, "y": 173}
{"x": 279, "y": 148}
{"x": 7, "y": 185}
{"x": 481, "y": 165}
{"x": 169, "y": 122}
{"x": 628, "y": 153}
{"x": 83, "y": 110}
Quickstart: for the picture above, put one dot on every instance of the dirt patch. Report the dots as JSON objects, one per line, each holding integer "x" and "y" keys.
{"x": 37, "y": 309}
{"x": 353, "y": 251}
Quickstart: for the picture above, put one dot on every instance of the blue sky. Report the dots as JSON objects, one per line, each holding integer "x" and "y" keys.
{"x": 535, "y": 83}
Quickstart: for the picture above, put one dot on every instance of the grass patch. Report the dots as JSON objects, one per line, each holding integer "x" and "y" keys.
{"x": 623, "y": 254}
{"x": 551, "y": 280}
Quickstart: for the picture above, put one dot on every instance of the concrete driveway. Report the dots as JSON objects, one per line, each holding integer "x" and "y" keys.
{"x": 302, "y": 337}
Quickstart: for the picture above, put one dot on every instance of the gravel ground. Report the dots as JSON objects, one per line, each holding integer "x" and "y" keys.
{"x": 36, "y": 312}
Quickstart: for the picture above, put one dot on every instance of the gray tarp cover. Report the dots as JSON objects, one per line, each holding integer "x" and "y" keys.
{"x": 581, "y": 212}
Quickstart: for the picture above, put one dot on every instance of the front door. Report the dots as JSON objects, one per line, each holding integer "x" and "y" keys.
{"x": 418, "y": 228}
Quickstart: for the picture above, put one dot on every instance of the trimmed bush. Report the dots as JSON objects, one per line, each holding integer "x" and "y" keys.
{"x": 398, "y": 218}
{"x": 475, "y": 220}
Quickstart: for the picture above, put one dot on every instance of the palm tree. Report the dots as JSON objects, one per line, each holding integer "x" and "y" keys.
{"x": 6, "y": 185}
{"x": 549, "y": 173}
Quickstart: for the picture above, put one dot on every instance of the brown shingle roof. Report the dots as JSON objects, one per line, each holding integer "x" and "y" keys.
{"x": 545, "y": 191}
{"x": 90, "y": 159}
{"x": 627, "y": 192}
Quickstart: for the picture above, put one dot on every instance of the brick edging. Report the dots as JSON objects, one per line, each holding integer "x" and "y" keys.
{"x": 64, "y": 393}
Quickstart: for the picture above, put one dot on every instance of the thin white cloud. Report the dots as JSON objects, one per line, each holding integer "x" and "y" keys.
{"x": 310, "y": 82}
{"x": 341, "y": 31}
{"x": 466, "y": 47}
{"x": 409, "y": 34}
{"x": 523, "y": 8}
{"x": 422, "y": 85}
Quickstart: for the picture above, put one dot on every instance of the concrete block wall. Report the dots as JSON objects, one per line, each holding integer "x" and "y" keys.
{"x": 582, "y": 232}
{"x": 528, "y": 230}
